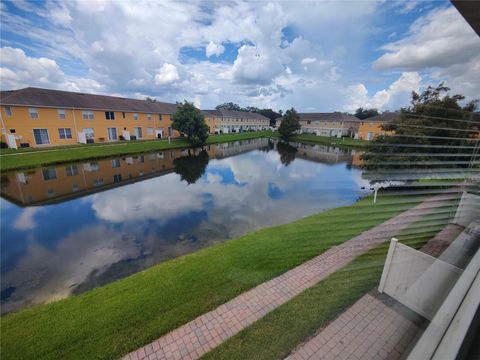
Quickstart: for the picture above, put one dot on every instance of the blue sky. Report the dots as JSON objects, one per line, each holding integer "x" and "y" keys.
{"x": 315, "y": 56}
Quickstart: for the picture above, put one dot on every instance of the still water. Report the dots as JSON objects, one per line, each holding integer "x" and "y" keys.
{"x": 69, "y": 228}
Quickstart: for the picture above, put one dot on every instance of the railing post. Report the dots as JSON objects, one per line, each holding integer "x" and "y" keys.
{"x": 386, "y": 267}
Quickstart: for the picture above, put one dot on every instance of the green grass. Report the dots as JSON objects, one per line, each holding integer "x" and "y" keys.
{"x": 29, "y": 158}
{"x": 279, "y": 332}
{"x": 332, "y": 141}
{"x": 112, "y": 320}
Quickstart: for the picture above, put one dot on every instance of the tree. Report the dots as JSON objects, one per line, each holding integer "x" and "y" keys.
{"x": 190, "y": 121}
{"x": 434, "y": 132}
{"x": 191, "y": 167}
{"x": 362, "y": 113}
{"x": 229, "y": 106}
{"x": 149, "y": 99}
{"x": 290, "y": 124}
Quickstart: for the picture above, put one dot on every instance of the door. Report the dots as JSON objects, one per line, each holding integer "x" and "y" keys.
{"x": 41, "y": 136}
{"x": 138, "y": 132}
{"x": 112, "y": 134}
{"x": 89, "y": 134}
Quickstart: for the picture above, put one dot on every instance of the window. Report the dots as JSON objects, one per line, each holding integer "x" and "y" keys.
{"x": 149, "y": 131}
{"x": 109, "y": 115}
{"x": 135, "y": 116}
{"x": 8, "y": 110}
{"x": 74, "y": 187}
{"x": 115, "y": 163}
{"x": 41, "y": 136}
{"x": 49, "y": 174}
{"x": 123, "y": 115}
{"x": 61, "y": 113}
{"x": 87, "y": 115}
{"x": 98, "y": 182}
{"x": 72, "y": 170}
{"x": 13, "y": 131}
{"x": 50, "y": 193}
{"x": 33, "y": 113}
{"x": 117, "y": 178}
{"x": 149, "y": 116}
{"x": 112, "y": 134}
{"x": 160, "y": 117}
{"x": 65, "y": 133}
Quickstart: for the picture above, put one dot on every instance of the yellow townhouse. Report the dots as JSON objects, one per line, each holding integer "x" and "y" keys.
{"x": 35, "y": 117}
{"x": 370, "y": 128}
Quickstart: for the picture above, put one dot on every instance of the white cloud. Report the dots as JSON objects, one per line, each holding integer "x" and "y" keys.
{"x": 26, "y": 219}
{"x": 395, "y": 96}
{"x": 442, "y": 44}
{"x": 306, "y": 61}
{"x": 167, "y": 75}
{"x": 214, "y": 49}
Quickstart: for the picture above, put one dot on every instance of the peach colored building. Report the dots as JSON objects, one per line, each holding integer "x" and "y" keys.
{"x": 372, "y": 127}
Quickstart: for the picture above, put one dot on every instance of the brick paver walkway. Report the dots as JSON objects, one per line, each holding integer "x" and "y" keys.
{"x": 201, "y": 335}
{"x": 376, "y": 326}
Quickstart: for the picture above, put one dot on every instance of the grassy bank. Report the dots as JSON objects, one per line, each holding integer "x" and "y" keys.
{"x": 112, "y": 320}
{"x": 279, "y": 332}
{"x": 331, "y": 141}
{"x": 29, "y": 158}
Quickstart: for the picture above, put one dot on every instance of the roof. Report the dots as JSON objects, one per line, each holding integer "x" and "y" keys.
{"x": 236, "y": 114}
{"x": 31, "y": 96}
{"x": 383, "y": 118}
{"x": 333, "y": 116}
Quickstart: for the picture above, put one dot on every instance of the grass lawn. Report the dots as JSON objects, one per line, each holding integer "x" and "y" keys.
{"x": 112, "y": 320}
{"x": 27, "y": 158}
{"x": 276, "y": 335}
{"x": 332, "y": 141}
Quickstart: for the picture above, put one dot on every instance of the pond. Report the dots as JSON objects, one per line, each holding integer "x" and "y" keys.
{"x": 69, "y": 228}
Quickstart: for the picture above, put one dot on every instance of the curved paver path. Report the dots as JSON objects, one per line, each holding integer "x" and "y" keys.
{"x": 209, "y": 330}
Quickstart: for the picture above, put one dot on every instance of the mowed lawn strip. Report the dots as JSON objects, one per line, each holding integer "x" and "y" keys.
{"x": 18, "y": 159}
{"x": 279, "y": 332}
{"x": 332, "y": 141}
{"x": 112, "y": 320}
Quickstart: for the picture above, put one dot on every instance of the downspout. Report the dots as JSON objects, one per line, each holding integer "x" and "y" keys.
{"x": 75, "y": 123}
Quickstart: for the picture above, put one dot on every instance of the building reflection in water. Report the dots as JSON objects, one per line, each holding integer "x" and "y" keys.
{"x": 64, "y": 182}
{"x": 69, "y": 228}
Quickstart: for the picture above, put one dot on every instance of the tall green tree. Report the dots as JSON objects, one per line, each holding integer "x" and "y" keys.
{"x": 190, "y": 121}
{"x": 290, "y": 124}
{"x": 191, "y": 167}
{"x": 229, "y": 106}
{"x": 362, "y": 113}
{"x": 436, "y": 131}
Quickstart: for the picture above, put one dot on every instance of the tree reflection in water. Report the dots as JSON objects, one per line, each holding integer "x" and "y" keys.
{"x": 191, "y": 167}
{"x": 287, "y": 152}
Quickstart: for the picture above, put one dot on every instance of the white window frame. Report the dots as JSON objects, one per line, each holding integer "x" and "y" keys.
{"x": 33, "y": 113}
{"x": 48, "y": 135}
{"x": 8, "y": 110}
{"x": 108, "y": 132}
{"x": 149, "y": 116}
{"x": 109, "y": 115}
{"x": 61, "y": 114}
{"x": 89, "y": 133}
{"x": 87, "y": 115}
{"x": 65, "y": 137}
{"x": 135, "y": 116}
{"x": 149, "y": 130}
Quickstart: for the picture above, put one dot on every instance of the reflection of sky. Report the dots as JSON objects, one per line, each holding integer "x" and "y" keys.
{"x": 48, "y": 251}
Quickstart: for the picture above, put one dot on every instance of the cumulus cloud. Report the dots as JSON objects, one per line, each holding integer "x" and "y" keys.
{"x": 167, "y": 75}
{"x": 395, "y": 96}
{"x": 441, "y": 43}
{"x": 214, "y": 49}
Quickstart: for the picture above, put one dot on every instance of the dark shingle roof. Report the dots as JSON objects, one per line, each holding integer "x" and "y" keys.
{"x": 236, "y": 114}
{"x": 383, "y": 118}
{"x": 31, "y": 96}
{"x": 334, "y": 116}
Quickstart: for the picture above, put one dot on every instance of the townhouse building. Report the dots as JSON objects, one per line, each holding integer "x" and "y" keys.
{"x": 34, "y": 117}
{"x": 327, "y": 124}
{"x": 370, "y": 128}
{"x": 232, "y": 121}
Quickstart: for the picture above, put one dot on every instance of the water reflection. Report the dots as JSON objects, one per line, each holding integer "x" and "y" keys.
{"x": 69, "y": 228}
